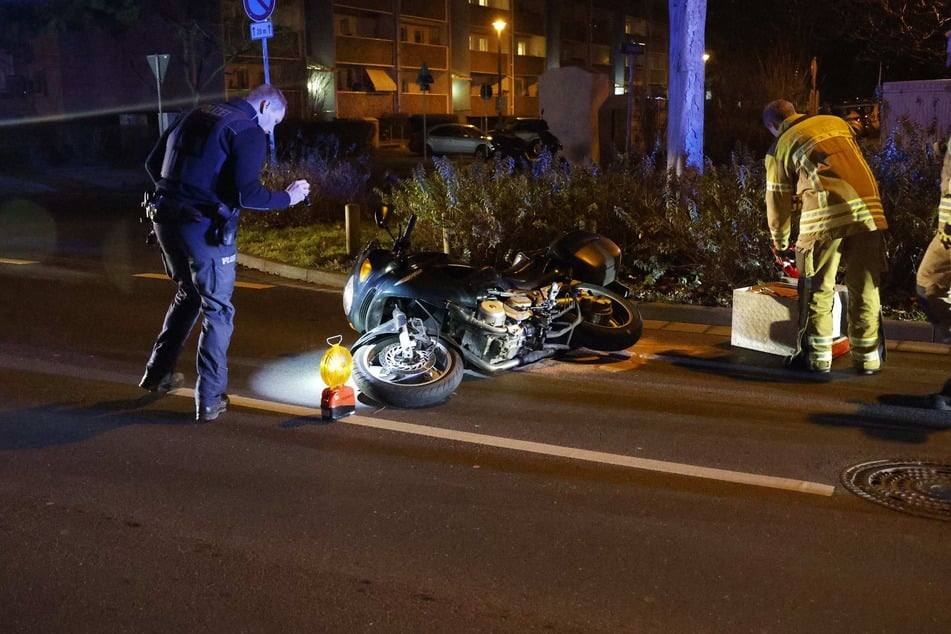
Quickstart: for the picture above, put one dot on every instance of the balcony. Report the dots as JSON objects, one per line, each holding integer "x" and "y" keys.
{"x": 525, "y": 65}
{"x": 379, "y": 6}
{"x": 415, "y": 55}
{"x": 356, "y": 105}
{"x": 483, "y": 62}
{"x": 364, "y": 51}
{"x": 424, "y": 9}
{"x": 432, "y": 103}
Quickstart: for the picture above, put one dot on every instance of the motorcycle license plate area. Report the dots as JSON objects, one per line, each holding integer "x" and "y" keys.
{"x": 766, "y": 318}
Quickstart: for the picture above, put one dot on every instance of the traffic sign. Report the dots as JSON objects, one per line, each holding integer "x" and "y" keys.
{"x": 259, "y": 10}
{"x": 262, "y": 30}
{"x": 158, "y": 64}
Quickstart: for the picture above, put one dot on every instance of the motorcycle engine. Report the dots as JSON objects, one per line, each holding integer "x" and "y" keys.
{"x": 513, "y": 315}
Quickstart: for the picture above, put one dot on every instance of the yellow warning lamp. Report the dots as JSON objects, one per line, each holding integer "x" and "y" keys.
{"x": 337, "y": 400}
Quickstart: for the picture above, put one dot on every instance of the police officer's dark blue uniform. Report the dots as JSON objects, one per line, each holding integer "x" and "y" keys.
{"x": 206, "y": 168}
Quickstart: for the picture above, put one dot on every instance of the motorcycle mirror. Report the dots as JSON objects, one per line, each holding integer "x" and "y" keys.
{"x": 381, "y": 215}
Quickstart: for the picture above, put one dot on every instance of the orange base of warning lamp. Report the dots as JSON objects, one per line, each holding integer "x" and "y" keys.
{"x": 840, "y": 346}
{"x": 337, "y": 402}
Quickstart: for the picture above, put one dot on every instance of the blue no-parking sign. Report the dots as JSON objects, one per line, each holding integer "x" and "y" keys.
{"x": 259, "y": 10}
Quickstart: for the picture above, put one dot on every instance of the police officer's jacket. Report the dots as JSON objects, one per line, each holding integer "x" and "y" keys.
{"x": 817, "y": 158}
{"x": 214, "y": 154}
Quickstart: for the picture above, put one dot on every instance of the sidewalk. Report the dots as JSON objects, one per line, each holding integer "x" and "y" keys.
{"x": 910, "y": 336}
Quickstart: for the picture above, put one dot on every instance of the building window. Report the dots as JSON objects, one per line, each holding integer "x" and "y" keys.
{"x": 345, "y": 26}
{"x": 478, "y": 43}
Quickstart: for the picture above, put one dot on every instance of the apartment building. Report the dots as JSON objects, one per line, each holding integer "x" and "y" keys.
{"x": 343, "y": 59}
{"x": 363, "y": 58}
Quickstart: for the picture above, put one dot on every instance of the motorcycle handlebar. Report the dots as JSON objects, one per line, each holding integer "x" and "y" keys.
{"x": 402, "y": 243}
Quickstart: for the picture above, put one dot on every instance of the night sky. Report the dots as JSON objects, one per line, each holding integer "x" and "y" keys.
{"x": 849, "y": 66}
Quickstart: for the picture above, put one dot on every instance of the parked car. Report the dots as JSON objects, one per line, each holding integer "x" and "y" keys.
{"x": 452, "y": 138}
{"x": 516, "y": 147}
{"x": 534, "y": 132}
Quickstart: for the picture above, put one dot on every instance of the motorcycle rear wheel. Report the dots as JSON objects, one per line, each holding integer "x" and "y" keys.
{"x": 615, "y": 329}
{"x": 422, "y": 380}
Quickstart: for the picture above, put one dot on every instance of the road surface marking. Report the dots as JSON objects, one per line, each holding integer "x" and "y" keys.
{"x": 561, "y": 451}
{"x": 18, "y": 262}
{"x": 162, "y": 276}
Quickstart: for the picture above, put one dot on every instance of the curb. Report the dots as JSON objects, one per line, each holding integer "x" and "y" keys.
{"x": 288, "y": 271}
{"x": 906, "y": 336}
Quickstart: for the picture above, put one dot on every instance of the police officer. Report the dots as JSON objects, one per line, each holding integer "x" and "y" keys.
{"x": 842, "y": 220}
{"x": 206, "y": 167}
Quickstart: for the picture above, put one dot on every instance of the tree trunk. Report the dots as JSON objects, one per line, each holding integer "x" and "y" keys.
{"x": 686, "y": 90}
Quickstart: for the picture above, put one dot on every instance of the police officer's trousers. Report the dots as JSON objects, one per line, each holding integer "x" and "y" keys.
{"x": 205, "y": 274}
{"x": 863, "y": 256}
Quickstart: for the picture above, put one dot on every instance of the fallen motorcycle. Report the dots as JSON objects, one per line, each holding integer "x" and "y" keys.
{"x": 423, "y": 317}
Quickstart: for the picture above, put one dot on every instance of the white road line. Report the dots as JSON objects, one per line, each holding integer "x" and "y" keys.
{"x": 574, "y": 453}
{"x": 17, "y": 262}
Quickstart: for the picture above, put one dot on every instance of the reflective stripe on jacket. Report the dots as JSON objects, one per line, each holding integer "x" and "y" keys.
{"x": 944, "y": 207}
{"x": 817, "y": 158}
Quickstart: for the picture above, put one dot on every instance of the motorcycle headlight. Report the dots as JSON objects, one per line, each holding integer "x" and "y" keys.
{"x": 348, "y": 295}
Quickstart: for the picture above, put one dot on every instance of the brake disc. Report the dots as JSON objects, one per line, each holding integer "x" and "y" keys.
{"x": 395, "y": 359}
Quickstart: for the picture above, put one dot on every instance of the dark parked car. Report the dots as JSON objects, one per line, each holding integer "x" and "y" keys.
{"x": 515, "y": 147}
{"x": 534, "y": 132}
{"x": 452, "y": 138}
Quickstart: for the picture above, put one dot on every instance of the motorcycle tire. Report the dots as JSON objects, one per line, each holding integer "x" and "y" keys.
{"x": 398, "y": 382}
{"x": 618, "y": 330}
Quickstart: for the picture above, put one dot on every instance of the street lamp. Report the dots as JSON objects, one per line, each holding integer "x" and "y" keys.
{"x": 630, "y": 48}
{"x": 499, "y": 27}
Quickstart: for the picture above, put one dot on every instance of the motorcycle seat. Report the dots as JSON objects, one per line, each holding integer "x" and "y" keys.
{"x": 530, "y": 282}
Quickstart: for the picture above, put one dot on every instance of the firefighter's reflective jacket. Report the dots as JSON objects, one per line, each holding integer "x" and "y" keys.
{"x": 817, "y": 158}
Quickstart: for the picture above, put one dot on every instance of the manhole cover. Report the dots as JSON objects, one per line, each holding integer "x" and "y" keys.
{"x": 913, "y": 486}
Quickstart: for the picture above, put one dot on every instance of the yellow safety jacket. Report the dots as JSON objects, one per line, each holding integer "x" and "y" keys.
{"x": 944, "y": 207}
{"x": 817, "y": 158}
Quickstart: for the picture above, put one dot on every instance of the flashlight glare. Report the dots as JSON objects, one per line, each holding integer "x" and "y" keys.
{"x": 293, "y": 380}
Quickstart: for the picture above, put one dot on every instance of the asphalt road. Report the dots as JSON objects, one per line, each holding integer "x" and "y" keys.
{"x": 539, "y": 500}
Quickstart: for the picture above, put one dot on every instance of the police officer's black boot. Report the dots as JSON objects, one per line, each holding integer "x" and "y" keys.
{"x": 163, "y": 384}
{"x": 210, "y": 412}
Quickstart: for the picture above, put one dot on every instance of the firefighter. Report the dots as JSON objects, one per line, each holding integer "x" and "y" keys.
{"x": 206, "y": 167}
{"x": 933, "y": 278}
{"x": 841, "y": 222}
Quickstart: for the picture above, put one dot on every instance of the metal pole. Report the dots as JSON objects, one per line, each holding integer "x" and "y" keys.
{"x": 498, "y": 99}
{"x": 267, "y": 80}
{"x": 630, "y": 103}
{"x": 158, "y": 87}
{"x": 352, "y": 227}
{"x": 425, "y": 139}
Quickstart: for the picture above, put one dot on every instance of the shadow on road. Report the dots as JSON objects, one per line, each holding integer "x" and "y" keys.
{"x": 50, "y": 425}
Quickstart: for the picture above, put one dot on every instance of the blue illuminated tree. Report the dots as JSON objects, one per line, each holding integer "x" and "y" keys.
{"x": 685, "y": 87}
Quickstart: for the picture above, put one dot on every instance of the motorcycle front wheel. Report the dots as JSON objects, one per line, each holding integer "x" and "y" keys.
{"x": 610, "y": 323}
{"x": 392, "y": 375}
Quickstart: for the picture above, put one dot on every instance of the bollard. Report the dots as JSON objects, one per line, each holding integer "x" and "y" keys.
{"x": 352, "y": 224}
